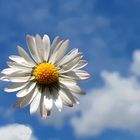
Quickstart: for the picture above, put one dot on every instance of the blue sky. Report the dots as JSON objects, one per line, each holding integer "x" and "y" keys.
{"x": 108, "y": 33}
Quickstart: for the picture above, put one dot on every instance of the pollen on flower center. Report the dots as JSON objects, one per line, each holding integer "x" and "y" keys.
{"x": 46, "y": 73}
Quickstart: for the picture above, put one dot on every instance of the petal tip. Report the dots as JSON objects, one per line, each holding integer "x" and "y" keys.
{"x": 44, "y": 117}
{"x": 83, "y": 92}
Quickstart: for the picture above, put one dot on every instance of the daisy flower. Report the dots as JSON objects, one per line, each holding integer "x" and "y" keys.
{"x": 48, "y": 75}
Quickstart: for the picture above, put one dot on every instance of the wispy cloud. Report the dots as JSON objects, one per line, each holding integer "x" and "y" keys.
{"x": 135, "y": 67}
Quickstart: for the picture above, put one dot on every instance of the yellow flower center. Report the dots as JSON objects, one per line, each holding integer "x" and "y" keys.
{"x": 46, "y": 73}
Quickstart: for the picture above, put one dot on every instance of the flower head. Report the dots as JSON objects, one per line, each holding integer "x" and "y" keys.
{"x": 48, "y": 76}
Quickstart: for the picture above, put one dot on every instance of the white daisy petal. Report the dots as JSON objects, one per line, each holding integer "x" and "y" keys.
{"x": 60, "y": 52}
{"x": 23, "y": 102}
{"x": 81, "y": 64}
{"x": 15, "y": 87}
{"x": 13, "y": 71}
{"x": 73, "y": 88}
{"x": 67, "y": 93}
{"x": 53, "y": 55}
{"x": 76, "y": 89}
{"x": 76, "y": 75}
{"x": 43, "y": 110}
{"x": 71, "y": 65}
{"x": 20, "y": 79}
{"x": 20, "y": 60}
{"x": 67, "y": 81}
{"x": 4, "y": 78}
{"x": 46, "y": 49}
{"x": 65, "y": 98}
{"x": 33, "y": 48}
{"x": 8, "y": 71}
{"x": 58, "y": 103}
{"x": 23, "y": 53}
{"x": 19, "y": 74}
{"x": 54, "y": 44}
{"x": 70, "y": 75}
{"x": 26, "y": 90}
{"x": 57, "y": 99}
{"x": 17, "y": 59}
{"x": 69, "y": 57}
{"x": 48, "y": 102}
{"x": 18, "y": 66}
{"x": 35, "y": 103}
{"x": 82, "y": 74}
{"x": 40, "y": 46}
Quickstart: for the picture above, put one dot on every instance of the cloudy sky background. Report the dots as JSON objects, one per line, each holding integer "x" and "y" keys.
{"x": 108, "y": 32}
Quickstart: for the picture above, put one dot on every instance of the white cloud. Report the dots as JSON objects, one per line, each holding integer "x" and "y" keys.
{"x": 16, "y": 132}
{"x": 135, "y": 67}
{"x": 114, "y": 106}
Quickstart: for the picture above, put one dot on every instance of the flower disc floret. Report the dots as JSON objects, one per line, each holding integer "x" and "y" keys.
{"x": 46, "y": 73}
